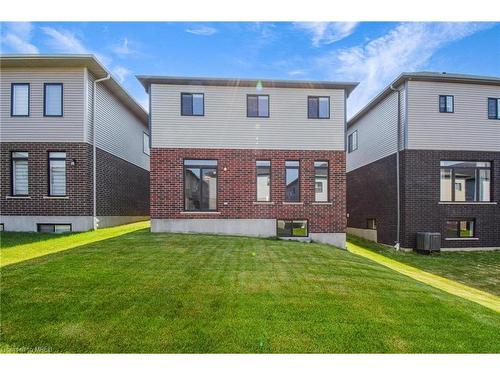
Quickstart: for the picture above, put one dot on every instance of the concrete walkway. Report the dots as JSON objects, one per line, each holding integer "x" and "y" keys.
{"x": 41, "y": 246}
{"x": 475, "y": 295}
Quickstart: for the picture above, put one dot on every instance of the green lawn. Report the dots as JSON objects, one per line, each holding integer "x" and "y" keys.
{"x": 478, "y": 269}
{"x": 143, "y": 292}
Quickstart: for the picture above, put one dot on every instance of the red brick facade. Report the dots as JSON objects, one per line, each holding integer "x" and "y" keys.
{"x": 236, "y": 192}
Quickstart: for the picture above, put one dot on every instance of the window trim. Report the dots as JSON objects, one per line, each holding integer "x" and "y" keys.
{"x": 12, "y": 158}
{"x": 12, "y": 85}
{"x": 476, "y": 185}
{"x": 318, "y": 97}
{"x": 488, "y": 106}
{"x": 268, "y": 105}
{"x": 54, "y": 224}
{"x": 292, "y": 220}
{"x": 299, "y": 176}
{"x": 270, "y": 180}
{"x": 445, "y": 102}
{"x": 49, "y": 194}
{"x": 349, "y": 143}
{"x": 45, "y": 98}
{"x": 327, "y": 180}
{"x": 192, "y": 114}
{"x": 149, "y": 144}
{"x": 458, "y": 220}
{"x": 184, "y": 184}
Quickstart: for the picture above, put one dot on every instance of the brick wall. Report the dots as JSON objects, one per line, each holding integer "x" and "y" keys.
{"x": 122, "y": 187}
{"x": 371, "y": 194}
{"x": 237, "y": 186}
{"x": 78, "y": 180}
{"x": 421, "y": 211}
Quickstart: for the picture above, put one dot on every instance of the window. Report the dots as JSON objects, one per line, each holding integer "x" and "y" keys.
{"x": 192, "y": 104}
{"x": 200, "y": 185}
{"x": 2, "y": 227}
{"x": 19, "y": 173}
{"x": 460, "y": 228}
{"x": 54, "y": 228}
{"x": 263, "y": 180}
{"x": 371, "y": 223}
{"x": 465, "y": 181}
{"x": 352, "y": 141}
{"x": 446, "y": 104}
{"x": 53, "y": 100}
{"x": 20, "y": 100}
{"x": 321, "y": 181}
{"x": 257, "y": 105}
{"x": 292, "y": 188}
{"x": 318, "y": 107}
{"x": 494, "y": 108}
{"x": 292, "y": 228}
{"x": 57, "y": 174}
{"x": 145, "y": 143}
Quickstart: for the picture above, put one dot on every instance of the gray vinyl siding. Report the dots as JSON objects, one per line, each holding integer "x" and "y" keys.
{"x": 119, "y": 131}
{"x": 377, "y": 132}
{"x": 36, "y": 127}
{"x": 468, "y": 128}
{"x": 226, "y": 125}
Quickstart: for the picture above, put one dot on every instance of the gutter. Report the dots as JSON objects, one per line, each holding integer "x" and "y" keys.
{"x": 398, "y": 200}
{"x": 94, "y": 150}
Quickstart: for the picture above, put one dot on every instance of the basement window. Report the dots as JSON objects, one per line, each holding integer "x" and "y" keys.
{"x": 292, "y": 228}
{"x": 371, "y": 223}
{"x": 54, "y": 228}
{"x": 464, "y": 228}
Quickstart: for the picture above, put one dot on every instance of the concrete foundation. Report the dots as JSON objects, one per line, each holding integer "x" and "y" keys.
{"x": 367, "y": 234}
{"x": 29, "y": 223}
{"x": 112, "y": 221}
{"x": 335, "y": 239}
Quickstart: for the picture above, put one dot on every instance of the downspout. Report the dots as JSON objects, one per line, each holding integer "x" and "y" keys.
{"x": 398, "y": 200}
{"x": 94, "y": 149}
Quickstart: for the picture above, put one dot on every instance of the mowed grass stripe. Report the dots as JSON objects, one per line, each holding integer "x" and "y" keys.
{"x": 18, "y": 247}
{"x": 475, "y": 295}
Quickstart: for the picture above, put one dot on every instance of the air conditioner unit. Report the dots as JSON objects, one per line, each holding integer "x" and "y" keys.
{"x": 428, "y": 242}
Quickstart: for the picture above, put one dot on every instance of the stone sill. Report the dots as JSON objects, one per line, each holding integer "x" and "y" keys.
{"x": 320, "y": 203}
{"x": 55, "y": 197}
{"x": 472, "y": 203}
{"x": 462, "y": 239}
{"x": 293, "y": 203}
{"x": 200, "y": 212}
{"x": 262, "y": 202}
{"x": 18, "y": 197}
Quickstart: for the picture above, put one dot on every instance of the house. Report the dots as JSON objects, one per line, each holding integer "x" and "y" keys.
{"x": 248, "y": 157}
{"x": 70, "y": 160}
{"x": 424, "y": 156}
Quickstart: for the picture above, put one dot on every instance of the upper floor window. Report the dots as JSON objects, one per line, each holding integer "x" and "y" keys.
{"x": 257, "y": 105}
{"x": 145, "y": 143}
{"x": 292, "y": 174}
{"x": 53, "y": 100}
{"x": 263, "y": 180}
{"x": 446, "y": 104}
{"x": 57, "y": 174}
{"x": 200, "y": 185}
{"x": 19, "y": 173}
{"x": 465, "y": 181}
{"x": 192, "y": 104}
{"x": 494, "y": 108}
{"x": 352, "y": 141}
{"x": 318, "y": 107}
{"x": 20, "y": 99}
{"x": 321, "y": 181}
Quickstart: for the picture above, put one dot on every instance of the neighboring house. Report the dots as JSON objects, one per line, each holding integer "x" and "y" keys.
{"x": 248, "y": 157}
{"x": 49, "y": 115}
{"x": 448, "y": 128}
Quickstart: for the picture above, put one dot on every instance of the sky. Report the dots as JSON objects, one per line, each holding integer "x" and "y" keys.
{"x": 372, "y": 53}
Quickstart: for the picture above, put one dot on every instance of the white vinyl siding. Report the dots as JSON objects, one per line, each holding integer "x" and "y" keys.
{"x": 57, "y": 173}
{"x": 225, "y": 123}
{"x": 36, "y": 127}
{"x": 467, "y": 128}
{"x": 20, "y": 99}
{"x": 20, "y": 173}
{"x": 118, "y": 130}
